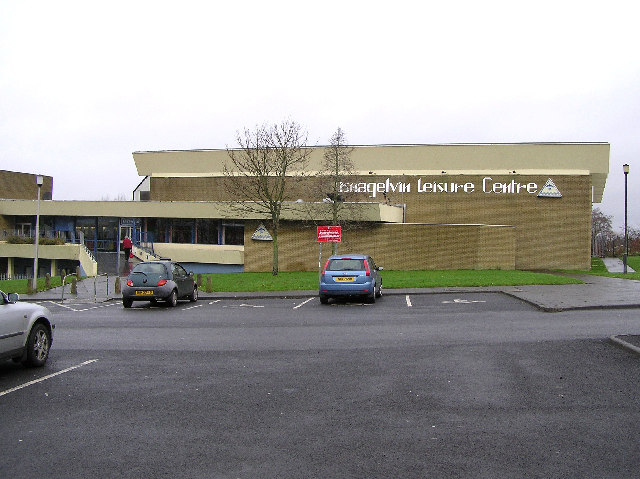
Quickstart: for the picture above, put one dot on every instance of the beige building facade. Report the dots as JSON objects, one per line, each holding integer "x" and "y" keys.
{"x": 508, "y": 206}
{"x": 470, "y": 206}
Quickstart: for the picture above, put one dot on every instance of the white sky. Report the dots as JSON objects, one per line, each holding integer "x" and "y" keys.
{"x": 84, "y": 84}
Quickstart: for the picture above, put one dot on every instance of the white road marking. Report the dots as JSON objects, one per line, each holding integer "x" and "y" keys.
{"x": 84, "y": 309}
{"x": 36, "y": 381}
{"x": 61, "y": 305}
{"x": 303, "y": 303}
{"x": 193, "y": 307}
{"x": 408, "y": 301}
{"x": 462, "y": 301}
{"x": 215, "y": 301}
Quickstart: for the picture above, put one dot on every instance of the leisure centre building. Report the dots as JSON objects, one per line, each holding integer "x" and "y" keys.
{"x": 454, "y": 206}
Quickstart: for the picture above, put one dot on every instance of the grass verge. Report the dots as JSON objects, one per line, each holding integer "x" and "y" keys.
{"x": 20, "y": 286}
{"x": 599, "y": 269}
{"x": 227, "y": 282}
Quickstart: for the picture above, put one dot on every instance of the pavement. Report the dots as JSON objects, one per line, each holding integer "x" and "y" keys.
{"x": 596, "y": 292}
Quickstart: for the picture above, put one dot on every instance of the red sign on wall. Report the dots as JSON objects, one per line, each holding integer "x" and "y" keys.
{"x": 330, "y": 234}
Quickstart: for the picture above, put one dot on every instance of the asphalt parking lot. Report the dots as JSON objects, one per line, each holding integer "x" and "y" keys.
{"x": 473, "y": 385}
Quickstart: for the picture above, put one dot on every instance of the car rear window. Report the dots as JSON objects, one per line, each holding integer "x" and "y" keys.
{"x": 346, "y": 264}
{"x": 153, "y": 268}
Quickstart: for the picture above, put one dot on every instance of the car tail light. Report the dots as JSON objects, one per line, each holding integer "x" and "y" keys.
{"x": 366, "y": 268}
{"x": 162, "y": 282}
{"x": 324, "y": 270}
{"x": 129, "y": 283}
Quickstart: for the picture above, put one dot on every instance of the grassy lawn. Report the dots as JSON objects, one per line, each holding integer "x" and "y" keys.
{"x": 226, "y": 282}
{"x": 599, "y": 269}
{"x": 20, "y": 285}
{"x": 392, "y": 279}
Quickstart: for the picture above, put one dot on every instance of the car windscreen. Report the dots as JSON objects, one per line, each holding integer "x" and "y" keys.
{"x": 153, "y": 268}
{"x": 346, "y": 264}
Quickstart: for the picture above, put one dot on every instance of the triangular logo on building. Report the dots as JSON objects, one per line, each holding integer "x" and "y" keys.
{"x": 261, "y": 234}
{"x": 550, "y": 190}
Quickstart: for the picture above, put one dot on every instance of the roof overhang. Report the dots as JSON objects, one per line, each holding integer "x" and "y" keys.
{"x": 461, "y": 159}
{"x": 294, "y": 211}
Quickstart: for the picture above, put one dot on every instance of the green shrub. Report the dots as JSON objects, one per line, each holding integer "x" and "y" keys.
{"x": 29, "y": 240}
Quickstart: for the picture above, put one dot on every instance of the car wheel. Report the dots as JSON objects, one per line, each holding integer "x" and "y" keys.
{"x": 324, "y": 300}
{"x": 379, "y": 293}
{"x": 194, "y": 297}
{"x": 372, "y": 298}
{"x": 127, "y": 303}
{"x": 172, "y": 300}
{"x": 38, "y": 345}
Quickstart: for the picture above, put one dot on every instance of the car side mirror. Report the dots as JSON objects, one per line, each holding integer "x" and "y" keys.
{"x": 13, "y": 297}
{"x": 380, "y": 268}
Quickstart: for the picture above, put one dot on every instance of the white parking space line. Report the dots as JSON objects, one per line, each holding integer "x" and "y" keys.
{"x": 61, "y": 305}
{"x": 303, "y": 303}
{"x": 408, "y": 301}
{"x": 193, "y": 307}
{"x": 462, "y": 301}
{"x": 36, "y": 381}
{"x": 215, "y": 301}
{"x": 70, "y": 308}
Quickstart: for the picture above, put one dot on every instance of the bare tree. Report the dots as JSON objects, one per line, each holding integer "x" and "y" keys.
{"x": 601, "y": 232}
{"x": 259, "y": 170}
{"x": 336, "y": 166}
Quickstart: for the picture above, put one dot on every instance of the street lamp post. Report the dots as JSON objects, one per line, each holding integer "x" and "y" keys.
{"x": 39, "y": 181}
{"x": 625, "y": 168}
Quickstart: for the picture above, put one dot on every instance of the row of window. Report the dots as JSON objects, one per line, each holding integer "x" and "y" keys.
{"x": 199, "y": 231}
{"x": 102, "y": 232}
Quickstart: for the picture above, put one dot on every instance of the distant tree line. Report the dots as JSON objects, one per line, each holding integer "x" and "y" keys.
{"x": 607, "y": 242}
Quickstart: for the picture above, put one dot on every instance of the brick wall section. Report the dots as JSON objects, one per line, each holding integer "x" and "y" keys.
{"x": 549, "y": 233}
{"x": 394, "y": 246}
{"x": 22, "y": 186}
{"x": 6, "y": 225}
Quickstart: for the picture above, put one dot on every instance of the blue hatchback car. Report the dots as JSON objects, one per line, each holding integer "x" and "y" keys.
{"x": 351, "y": 275}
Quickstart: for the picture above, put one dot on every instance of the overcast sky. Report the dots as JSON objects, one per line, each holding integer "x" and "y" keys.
{"x": 84, "y": 84}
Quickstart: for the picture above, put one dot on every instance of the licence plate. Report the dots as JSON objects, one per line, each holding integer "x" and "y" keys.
{"x": 345, "y": 278}
{"x": 144, "y": 293}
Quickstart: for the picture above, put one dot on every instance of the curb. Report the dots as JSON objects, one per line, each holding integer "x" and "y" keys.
{"x": 387, "y": 292}
{"x": 624, "y": 344}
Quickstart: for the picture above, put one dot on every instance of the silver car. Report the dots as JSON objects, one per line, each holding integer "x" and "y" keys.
{"x": 26, "y": 331}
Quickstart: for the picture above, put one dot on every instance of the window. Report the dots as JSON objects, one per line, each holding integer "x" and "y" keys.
{"x": 179, "y": 272}
{"x": 182, "y": 231}
{"x": 207, "y": 231}
{"x": 346, "y": 265}
{"x": 233, "y": 234}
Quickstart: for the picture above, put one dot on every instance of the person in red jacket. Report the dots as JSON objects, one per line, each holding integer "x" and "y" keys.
{"x": 126, "y": 246}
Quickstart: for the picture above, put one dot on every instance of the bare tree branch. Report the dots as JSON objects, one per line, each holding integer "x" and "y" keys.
{"x": 260, "y": 169}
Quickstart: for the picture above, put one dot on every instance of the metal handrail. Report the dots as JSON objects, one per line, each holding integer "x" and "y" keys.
{"x": 95, "y": 286}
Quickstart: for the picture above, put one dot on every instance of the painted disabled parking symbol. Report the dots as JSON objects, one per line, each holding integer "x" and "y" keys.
{"x": 463, "y": 301}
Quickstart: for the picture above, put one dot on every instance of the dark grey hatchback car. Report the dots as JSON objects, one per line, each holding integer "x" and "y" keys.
{"x": 159, "y": 281}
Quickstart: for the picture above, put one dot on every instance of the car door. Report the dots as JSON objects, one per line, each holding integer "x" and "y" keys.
{"x": 181, "y": 278}
{"x": 12, "y": 323}
{"x": 374, "y": 271}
